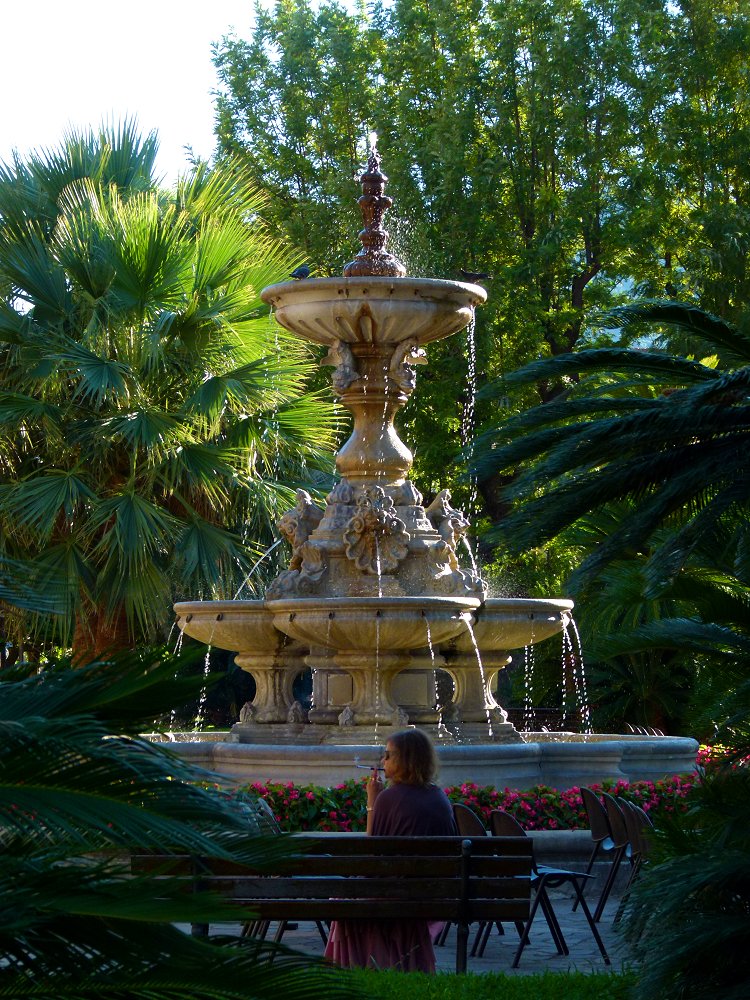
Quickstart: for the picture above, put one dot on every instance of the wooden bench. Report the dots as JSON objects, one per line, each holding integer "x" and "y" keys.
{"x": 458, "y": 879}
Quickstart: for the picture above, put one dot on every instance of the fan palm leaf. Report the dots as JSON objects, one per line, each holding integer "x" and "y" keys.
{"x": 141, "y": 385}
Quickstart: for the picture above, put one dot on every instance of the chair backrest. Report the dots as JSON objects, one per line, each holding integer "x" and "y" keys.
{"x": 619, "y": 831}
{"x": 467, "y": 821}
{"x": 502, "y": 824}
{"x": 638, "y": 824}
{"x": 597, "y": 815}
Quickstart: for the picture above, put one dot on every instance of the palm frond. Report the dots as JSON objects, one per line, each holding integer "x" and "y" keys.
{"x": 695, "y": 321}
{"x": 76, "y": 801}
{"x": 41, "y": 500}
{"x": 647, "y": 365}
{"x": 686, "y": 634}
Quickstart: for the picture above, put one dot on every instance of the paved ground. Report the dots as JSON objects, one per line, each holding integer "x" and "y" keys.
{"x": 538, "y": 956}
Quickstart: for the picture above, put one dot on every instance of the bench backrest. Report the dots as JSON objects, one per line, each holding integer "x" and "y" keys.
{"x": 451, "y": 878}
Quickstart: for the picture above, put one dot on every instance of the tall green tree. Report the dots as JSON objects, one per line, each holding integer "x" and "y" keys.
{"x": 293, "y": 104}
{"x": 574, "y": 150}
{"x": 151, "y": 417}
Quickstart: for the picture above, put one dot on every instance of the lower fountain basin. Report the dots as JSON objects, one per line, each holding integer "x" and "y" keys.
{"x": 374, "y": 624}
{"x": 510, "y": 623}
{"x": 546, "y": 759}
{"x": 241, "y": 626}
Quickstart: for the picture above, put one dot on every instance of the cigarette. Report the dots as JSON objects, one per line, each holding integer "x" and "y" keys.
{"x": 368, "y": 767}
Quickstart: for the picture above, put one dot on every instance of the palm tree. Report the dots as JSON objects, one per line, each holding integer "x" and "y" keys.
{"x": 669, "y": 433}
{"x": 152, "y": 419}
{"x": 641, "y": 464}
{"x": 659, "y": 660}
{"x": 687, "y": 919}
{"x": 80, "y": 793}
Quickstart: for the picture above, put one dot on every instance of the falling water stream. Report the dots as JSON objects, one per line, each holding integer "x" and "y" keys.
{"x": 377, "y": 672}
{"x": 481, "y": 674}
{"x": 528, "y": 689}
{"x": 467, "y": 545}
{"x": 255, "y": 565}
{"x": 469, "y": 414}
{"x": 575, "y": 655}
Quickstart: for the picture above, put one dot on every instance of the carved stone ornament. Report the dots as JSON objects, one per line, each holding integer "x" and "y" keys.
{"x": 399, "y": 718}
{"x": 373, "y": 258}
{"x": 459, "y": 583}
{"x": 406, "y": 495}
{"x": 299, "y": 582}
{"x": 247, "y": 712}
{"x": 450, "y": 524}
{"x": 343, "y": 492}
{"x": 341, "y": 358}
{"x": 375, "y": 538}
{"x": 296, "y": 713}
{"x": 347, "y": 716}
{"x": 298, "y": 524}
{"x": 401, "y": 368}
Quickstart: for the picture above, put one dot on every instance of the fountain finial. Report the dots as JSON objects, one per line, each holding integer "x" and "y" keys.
{"x": 373, "y": 260}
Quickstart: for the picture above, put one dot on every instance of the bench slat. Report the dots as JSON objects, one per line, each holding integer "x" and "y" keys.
{"x": 357, "y": 909}
{"x": 372, "y": 888}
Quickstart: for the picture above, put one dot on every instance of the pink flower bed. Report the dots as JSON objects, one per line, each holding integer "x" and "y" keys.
{"x": 342, "y": 808}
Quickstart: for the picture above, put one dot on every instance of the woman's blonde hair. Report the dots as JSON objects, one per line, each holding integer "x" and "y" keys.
{"x": 417, "y": 762}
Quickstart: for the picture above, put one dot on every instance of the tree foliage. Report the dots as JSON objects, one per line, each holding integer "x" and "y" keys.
{"x": 80, "y": 793}
{"x": 574, "y": 149}
{"x": 151, "y": 421}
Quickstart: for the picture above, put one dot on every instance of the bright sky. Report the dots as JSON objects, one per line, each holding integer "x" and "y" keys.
{"x": 81, "y": 62}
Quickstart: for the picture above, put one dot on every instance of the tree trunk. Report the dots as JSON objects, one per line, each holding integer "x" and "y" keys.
{"x": 99, "y": 634}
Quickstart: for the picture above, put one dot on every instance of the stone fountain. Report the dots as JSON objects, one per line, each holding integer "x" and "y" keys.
{"x": 375, "y": 598}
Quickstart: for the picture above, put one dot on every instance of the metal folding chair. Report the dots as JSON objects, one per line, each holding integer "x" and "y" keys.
{"x": 599, "y": 827}
{"x": 467, "y": 821}
{"x": 638, "y": 824}
{"x": 469, "y": 825}
{"x": 502, "y": 824}
{"x": 621, "y": 843}
{"x": 268, "y": 824}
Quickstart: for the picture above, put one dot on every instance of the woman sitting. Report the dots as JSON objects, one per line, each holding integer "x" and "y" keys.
{"x": 411, "y": 806}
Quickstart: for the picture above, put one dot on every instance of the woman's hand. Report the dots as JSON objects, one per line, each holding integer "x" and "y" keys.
{"x": 374, "y": 787}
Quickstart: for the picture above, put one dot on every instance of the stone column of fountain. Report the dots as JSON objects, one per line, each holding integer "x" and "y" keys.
{"x": 374, "y": 590}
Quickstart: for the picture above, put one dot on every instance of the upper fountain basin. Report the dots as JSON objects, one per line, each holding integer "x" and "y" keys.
{"x": 241, "y": 626}
{"x": 373, "y": 310}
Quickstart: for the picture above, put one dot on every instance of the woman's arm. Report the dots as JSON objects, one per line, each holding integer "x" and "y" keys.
{"x": 374, "y": 788}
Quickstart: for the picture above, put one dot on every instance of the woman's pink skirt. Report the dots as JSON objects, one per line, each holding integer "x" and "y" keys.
{"x": 383, "y": 944}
